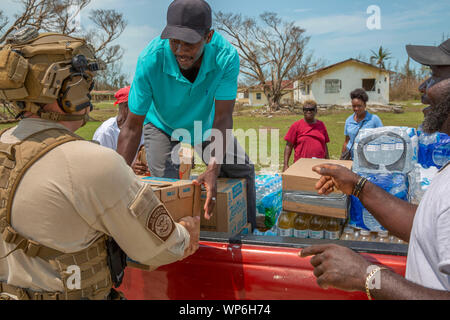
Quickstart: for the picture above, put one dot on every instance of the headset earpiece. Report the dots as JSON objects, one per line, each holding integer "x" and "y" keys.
{"x": 75, "y": 93}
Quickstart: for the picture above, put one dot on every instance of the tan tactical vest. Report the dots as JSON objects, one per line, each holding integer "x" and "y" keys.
{"x": 15, "y": 159}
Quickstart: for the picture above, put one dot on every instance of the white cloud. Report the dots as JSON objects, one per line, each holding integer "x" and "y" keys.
{"x": 355, "y": 23}
{"x": 343, "y": 24}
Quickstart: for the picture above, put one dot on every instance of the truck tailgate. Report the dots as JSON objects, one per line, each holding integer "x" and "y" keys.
{"x": 250, "y": 267}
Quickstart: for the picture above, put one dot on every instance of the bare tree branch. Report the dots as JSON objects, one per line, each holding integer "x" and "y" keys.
{"x": 32, "y": 14}
{"x": 62, "y": 19}
{"x": 110, "y": 26}
{"x": 271, "y": 51}
{"x": 58, "y": 16}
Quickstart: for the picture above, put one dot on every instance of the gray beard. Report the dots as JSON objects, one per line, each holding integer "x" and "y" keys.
{"x": 436, "y": 117}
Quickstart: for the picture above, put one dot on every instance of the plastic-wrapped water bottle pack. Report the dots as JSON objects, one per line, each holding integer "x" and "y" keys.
{"x": 394, "y": 183}
{"x": 384, "y": 156}
{"x": 419, "y": 180}
{"x": 434, "y": 149}
{"x": 268, "y": 198}
{"x": 386, "y": 150}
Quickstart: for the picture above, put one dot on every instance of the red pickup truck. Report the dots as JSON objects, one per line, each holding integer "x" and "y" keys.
{"x": 249, "y": 267}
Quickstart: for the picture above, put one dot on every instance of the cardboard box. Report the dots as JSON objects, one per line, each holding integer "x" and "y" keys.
{"x": 186, "y": 162}
{"x": 247, "y": 229}
{"x": 300, "y": 195}
{"x": 230, "y": 213}
{"x": 181, "y": 197}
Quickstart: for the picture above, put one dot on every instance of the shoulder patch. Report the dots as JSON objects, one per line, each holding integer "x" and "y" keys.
{"x": 144, "y": 201}
{"x": 160, "y": 223}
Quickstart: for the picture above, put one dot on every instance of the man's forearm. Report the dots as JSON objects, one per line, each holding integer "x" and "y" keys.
{"x": 391, "y": 212}
{"x": 221, "y": 124}
{"x": 128, "y": 143}
{"x": 394, "y": 287}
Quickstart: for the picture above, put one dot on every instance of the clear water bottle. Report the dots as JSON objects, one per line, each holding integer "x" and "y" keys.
{"x": 364, "y": 235}
{"x": 348, "y": 234}
{"x": 441, "y": 155}
{"x": 383, "y": 236}
{"x": 426, "y": 145}
{"x": 394, "y": 239}
{"x": 387, "y": 154}
{"x": 356, "y": 233}
{"x": 400, "y": 191}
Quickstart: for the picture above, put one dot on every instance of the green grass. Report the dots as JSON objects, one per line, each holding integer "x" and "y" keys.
{"x": 88, "y": 130}
{"x": 334, "y": 122}
{"x": 335, "y": 126}
{"x": 410, "y": 105}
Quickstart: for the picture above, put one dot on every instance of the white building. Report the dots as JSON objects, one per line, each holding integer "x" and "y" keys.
{"x": 332, "y": 85}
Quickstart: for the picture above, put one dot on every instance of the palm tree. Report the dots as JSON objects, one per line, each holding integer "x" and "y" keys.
{"x": 380, "y": 57}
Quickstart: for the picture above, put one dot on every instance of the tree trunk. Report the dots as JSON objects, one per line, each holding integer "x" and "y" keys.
{"x": 276, "y": 105}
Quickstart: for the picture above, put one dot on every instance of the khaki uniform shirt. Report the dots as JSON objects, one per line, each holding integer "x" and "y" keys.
{"x": 68, "y": 199}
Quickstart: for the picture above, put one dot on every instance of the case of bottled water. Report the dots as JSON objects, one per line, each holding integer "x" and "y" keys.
{"x": 268, "y": 197}
{"x": 419, "y": 180}
{"x": 434, "y": 149}
{"x": 394, "y": 183}
{"x": 385, "y": 150}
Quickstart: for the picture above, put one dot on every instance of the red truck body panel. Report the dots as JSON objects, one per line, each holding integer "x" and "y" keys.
{"x": 230, "y": 271}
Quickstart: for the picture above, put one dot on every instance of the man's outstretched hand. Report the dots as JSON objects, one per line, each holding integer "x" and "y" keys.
{"x": 335, "y": 176}
{"x": 209, "y": 180}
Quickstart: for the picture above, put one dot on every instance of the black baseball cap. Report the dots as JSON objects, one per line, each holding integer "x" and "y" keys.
{"x": 187, "y": 20}
{"x": 430, "y": 55}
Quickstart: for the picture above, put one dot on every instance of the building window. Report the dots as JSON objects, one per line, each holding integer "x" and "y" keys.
{"x": 333, "y": 85}
{"x": 368, "y": 84}
{"x": 258, "y": 96}
{"x": 305, "y": 89}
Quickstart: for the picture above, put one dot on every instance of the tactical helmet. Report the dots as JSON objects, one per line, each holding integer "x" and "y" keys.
{"x": 37, "y": 69}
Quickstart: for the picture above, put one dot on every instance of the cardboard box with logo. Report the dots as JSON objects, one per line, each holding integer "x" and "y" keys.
{"x": 300, "y": 195}
{"x": 180, "y": 197}
{"x": 230, "y": 213}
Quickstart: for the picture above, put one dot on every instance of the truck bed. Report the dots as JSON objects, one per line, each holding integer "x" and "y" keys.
{"x": 248, "y": 267}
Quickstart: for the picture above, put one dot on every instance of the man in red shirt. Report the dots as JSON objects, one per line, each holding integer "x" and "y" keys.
{"x": 308, "y": 136}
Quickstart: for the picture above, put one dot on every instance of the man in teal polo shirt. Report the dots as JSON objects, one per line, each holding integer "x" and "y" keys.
{"x": 185, "y": 85}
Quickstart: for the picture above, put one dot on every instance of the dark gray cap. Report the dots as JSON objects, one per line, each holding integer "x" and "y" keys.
{"x": 430, "y": 55}
{"x": 187, "y": 20}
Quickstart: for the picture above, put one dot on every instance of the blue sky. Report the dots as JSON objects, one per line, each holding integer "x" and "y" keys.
{"x": 337, "y": 29}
